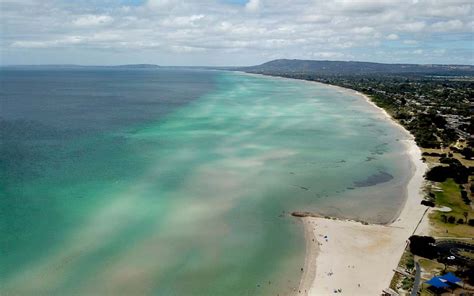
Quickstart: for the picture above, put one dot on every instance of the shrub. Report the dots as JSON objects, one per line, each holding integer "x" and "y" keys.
{"x": 464, "y": 197}
{"x": 451, "y": 219}
{"x": 444, "y": 218}
{"x": 467, "y": 152}
{"x": 460, "y": 221}
{"x": 471, "y": 222}
{"x": 438, "y": 174}
{"x": 458, "y": 172}
{"x": 423, "y": 246}
{"x": 428, "y": 203}
{"x": 410, "y": 263}
{"x": 449, "y": 160}
{"x": 431, "y": 154}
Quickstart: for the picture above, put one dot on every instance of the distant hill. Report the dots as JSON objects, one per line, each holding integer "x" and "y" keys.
{"x": 355, "y": 68}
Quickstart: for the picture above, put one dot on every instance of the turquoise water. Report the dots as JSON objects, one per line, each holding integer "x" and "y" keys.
{"x": 179, "y": 182}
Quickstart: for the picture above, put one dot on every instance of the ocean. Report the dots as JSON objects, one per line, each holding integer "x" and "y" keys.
{"x": 120, "y": 181}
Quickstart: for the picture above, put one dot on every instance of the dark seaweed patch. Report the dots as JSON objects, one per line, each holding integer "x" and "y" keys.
{"x": 378, "y": 178}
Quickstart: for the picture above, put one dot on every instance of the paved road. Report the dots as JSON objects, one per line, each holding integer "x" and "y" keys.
{"x": 416, "y": 283}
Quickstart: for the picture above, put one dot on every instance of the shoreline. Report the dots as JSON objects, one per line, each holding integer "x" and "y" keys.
{"x": 350, "y": 258}
{"x": 357, "y": 254}
{"x": 355, "y": 257}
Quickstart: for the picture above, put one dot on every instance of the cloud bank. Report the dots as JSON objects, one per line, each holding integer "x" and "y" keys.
{"x": 235, "y": 32}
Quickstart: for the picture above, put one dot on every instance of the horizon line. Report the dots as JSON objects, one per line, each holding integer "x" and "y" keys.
{"x": 223, "y": 66}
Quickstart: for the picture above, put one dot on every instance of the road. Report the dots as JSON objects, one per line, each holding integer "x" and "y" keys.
{"x": 416, "y": 282}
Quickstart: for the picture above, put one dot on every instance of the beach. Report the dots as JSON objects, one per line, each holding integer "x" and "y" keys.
{"x": 353, "y": 258}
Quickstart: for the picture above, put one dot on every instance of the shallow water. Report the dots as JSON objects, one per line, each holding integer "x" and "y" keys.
{"x": 179, "y": 182}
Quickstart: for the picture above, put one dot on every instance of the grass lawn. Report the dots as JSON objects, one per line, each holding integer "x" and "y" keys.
{"x": 430, "y": 266}
{"x": 467, "y": 254}
{"x": 435, "y": 159}
{"x": 450, "y": 196}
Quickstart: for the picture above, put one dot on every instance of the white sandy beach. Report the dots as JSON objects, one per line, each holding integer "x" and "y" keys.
{"x": 359, "y": 259}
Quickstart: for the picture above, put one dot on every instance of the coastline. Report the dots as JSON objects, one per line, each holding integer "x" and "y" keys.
{"x": 359, "y": 259}
{"x": 356, "y": 254}
{"x": 355, "y": 257}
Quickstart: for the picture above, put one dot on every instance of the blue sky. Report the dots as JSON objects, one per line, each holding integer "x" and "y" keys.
{"x": 235, "y": 32}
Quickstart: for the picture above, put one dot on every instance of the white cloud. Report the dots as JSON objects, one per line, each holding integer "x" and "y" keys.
{"x": 97, "y": 38}
{"x": 392, "y": 37}
{"x": 449, "y": 11}
{"x": 451, "y": 25}
{"x": 315, "y": 18}
{"x": 248, "y": 33}
{"x": 30, "y": 44}
{"x": 92, "y": 20}
{"x": 328, "y": 55}
{"x": 183, "y": 21}
{"x": 187, "y": 49}
{"x": 412, "y": 27}
{"x": 363, "y": 30}
{"x": 70, "y": 40}
{"x": 410, "y": 42}
{"x": 364, "y": 6}
{"x": 159, "y": 4}
{"x": 252, "y": 5}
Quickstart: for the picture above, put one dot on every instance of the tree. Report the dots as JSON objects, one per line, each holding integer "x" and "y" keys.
{"x": 423, "y": 246}
{"x": 428, "y": 203}
{"x": 438, "y": 174}
{"x": 444, "y": 218}
{"x": 458, "y": 172}
{"x": 465, "y": 214}
{"x": 467, "y": 153}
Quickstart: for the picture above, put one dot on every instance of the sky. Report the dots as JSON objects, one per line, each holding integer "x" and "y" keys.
{"x": 235, "y": 32}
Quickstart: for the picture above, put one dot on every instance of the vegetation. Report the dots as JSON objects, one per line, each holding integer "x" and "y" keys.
{"x": 456, "y": 222}
{"x": 450, "y": 196}
{"x": 423, "y": 246}
{"x": 310, "y": 67}
{"x": 407, "y": 283}
{"x": 399, "y": 281}
{"x": 456, "y": 171}
{"x": 467, "y": 254}
{"x": 428, "y": 203}
{"x": 431, "y": 266}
